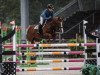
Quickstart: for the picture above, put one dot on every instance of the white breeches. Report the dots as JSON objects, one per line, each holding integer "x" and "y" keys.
{"x": 41, "y": 20}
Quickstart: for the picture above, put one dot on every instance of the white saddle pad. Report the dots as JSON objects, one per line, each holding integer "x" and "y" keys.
{"x": 36, "y": 27}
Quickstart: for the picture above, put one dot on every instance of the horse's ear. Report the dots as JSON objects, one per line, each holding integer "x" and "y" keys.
{"x": 60, "y": 18}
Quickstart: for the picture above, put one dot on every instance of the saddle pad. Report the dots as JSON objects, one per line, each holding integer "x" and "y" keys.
{"x": 36, "y": 27}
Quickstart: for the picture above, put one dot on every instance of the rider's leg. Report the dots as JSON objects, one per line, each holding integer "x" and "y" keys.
{"x": 41, "y": 20}
{"x": 41, "y": 25}
{"x": 40, "y": 29}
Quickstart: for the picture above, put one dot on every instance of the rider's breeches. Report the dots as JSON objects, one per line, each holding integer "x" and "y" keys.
{"x": 41, "y": 20}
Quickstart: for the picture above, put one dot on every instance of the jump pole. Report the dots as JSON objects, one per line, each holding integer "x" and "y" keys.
{"x": 48, "y": 61}
{"x": 98, "y": 52}
{"x": 85, "y": 38}
{"x": 50, "y": 53}
{"x": 48, "y": 69}
{"x": 51, "y": 45}
{"x": 14, "y": 43}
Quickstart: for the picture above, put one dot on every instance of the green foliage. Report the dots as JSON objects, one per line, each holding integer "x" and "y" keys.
{"x": 98, "y": 70}
{"x": 37, "y": 6}
{"x": 80, "y": 40}
{"x": 10, "y": 9}
{"x": 77, "y": 47}
{"x": 89, "y": 70}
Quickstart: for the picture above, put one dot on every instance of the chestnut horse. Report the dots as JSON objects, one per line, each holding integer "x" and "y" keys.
{"x": 49, "y": 29}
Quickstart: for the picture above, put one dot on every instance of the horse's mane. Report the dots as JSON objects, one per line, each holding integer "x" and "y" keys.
{"x": 54, "y": 21}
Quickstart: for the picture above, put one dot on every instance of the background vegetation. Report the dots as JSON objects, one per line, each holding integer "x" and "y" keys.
{"x": 10, "y": 9}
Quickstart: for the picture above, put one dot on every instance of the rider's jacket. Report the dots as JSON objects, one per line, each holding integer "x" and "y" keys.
{"x": 46, "y": 14}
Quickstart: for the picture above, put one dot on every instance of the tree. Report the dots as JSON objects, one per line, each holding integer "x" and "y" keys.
{"x": 10, "y": 9}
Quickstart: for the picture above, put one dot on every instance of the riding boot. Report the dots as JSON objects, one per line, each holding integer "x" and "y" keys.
{"x": 40, "y": 30}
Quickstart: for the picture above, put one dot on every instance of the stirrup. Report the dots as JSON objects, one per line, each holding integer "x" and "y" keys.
{"x": 38, "y": 33}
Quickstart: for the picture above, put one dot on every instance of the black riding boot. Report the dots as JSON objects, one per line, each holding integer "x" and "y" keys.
{"x": 41, "y": 30}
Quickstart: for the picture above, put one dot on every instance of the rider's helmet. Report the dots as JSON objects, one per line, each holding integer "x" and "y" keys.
{"x": 50, "y": 6}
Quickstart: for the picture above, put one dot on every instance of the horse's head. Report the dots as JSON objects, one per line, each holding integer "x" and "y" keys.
{"x": 56, "y": 23}
{"x": 57, "y": 20}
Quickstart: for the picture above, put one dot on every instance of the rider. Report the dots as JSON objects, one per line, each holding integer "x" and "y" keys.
{"x": 46, "y": 15}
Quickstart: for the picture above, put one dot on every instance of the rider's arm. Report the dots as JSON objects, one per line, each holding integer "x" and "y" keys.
{"x": 52, "y": 15}
{"x": 45, "y": 15}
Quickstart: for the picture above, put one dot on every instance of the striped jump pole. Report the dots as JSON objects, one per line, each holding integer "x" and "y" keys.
{"x": 51, "y": 45}
{"x": 53, "y": 50}
{"x": 50, "y": 53}
{"x": 48, "y": 61}
{"x": 48, "y": 69}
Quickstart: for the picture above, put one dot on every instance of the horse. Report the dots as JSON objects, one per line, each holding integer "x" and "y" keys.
{"x": 49, "y": 30}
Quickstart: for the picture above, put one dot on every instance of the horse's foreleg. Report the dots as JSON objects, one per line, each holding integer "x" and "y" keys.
{"x": 54, "y": 37}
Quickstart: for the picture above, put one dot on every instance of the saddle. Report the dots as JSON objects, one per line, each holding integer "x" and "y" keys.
{"x": 39, "y": 29}
{"x": 36, "y": 27}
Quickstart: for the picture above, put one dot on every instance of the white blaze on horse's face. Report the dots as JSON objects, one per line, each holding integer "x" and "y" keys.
{"x": 62, "y": 30}
{"x": 60, "y": 21}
